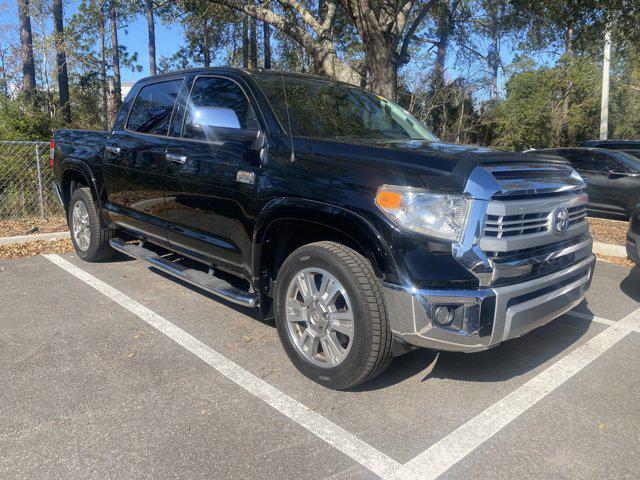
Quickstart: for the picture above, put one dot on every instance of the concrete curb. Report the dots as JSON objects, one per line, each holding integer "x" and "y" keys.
{"x": 609, "y": 249}
{"x": 33, "y": 238}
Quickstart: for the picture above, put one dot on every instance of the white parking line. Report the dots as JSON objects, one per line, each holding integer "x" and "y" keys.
{"x": 350, "y": 445}
{"x": 444, "y": 454}
{"x": 590, "y": 317}
{"x": 438, "y": 458}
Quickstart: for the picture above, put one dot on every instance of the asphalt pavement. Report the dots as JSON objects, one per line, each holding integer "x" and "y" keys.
{"x": 114, "y": 370}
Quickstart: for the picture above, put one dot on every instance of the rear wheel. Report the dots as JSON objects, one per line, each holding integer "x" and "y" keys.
{"x": 331, "y": 316}
{"x": 90, "y": 240}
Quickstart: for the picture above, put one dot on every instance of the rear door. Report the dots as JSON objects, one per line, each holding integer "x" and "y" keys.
{"x": 212, "y": 175}
{"x": 134, "y": 162}
{"x": 624, "y": 185}
{"x": 593, "y": 170}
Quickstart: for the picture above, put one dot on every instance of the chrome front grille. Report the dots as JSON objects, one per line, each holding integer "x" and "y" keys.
{"x": 517, "y": 228}
{"x": 529, "y": 223}
{"x": 519, "y": 224}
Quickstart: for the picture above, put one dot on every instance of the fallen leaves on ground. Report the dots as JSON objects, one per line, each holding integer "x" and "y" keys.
{"x": 608, "y": 231}
{"x": 32, "y": 226}
{"x": 625, "y": 262}
{"x": 31, "y": 249}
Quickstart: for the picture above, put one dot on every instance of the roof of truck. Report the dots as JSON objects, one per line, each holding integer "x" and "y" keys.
{"x": 245, "y": 71}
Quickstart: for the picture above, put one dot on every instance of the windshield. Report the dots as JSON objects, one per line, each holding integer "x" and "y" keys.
{"x": 329, "y": 110}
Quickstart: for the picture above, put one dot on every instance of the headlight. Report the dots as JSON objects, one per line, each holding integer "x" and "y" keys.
{"x": 434, "y": 214}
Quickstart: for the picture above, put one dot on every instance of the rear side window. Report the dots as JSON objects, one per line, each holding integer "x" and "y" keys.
{"x": 217, "y": 105}
{"x": 151, "y": 111}
{"x": 586, "y": 160}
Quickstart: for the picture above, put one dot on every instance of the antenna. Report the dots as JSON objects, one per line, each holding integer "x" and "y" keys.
{"x": 286, "y": 104}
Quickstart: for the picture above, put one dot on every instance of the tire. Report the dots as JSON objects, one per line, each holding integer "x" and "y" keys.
{"x": 360, "y": 357}
{"x": 97, "y": 248}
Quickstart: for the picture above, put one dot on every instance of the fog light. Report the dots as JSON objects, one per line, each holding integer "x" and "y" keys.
{"x": 443, "y": 316}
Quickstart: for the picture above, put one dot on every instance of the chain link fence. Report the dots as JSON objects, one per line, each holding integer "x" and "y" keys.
{"x": 25, "y": 181}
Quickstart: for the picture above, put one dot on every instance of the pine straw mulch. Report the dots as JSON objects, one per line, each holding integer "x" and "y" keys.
{"x": 608, "y": 231}
{"x": 32, "y": 226}
{"x": 625, "y": 262}
{"x": 31, "y": 249}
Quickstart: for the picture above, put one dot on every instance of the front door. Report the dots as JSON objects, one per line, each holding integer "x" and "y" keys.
{"x": 134, "y": 162}
{"x": 212, "y": 175}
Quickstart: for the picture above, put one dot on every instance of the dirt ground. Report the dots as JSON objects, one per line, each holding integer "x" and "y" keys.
{"x": 31, "y": 249}
{"x": 608, "y": 231}
{"x": 32, "y": 226}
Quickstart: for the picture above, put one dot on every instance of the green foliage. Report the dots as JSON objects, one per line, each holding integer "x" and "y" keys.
{"x": 20, "y": 120}
{"x": 530, "y": 115}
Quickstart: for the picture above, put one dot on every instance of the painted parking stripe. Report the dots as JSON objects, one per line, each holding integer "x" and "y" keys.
{"x": 363, "y": 453}
{"x": 590, "y": 317}
{"x": 444, "y": 454}
{"x": 604, "y": 321}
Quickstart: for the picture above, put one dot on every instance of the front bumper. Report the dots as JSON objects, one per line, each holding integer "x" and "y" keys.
{"x": 485, "y": 317}
{"x": 633, "y": 247}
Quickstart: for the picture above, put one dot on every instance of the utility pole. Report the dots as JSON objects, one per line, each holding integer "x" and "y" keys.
{"x": 604, "y": 106}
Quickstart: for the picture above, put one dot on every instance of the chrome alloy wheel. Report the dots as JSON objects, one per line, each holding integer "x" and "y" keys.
{"x": 80, "y": 225}
{"x": 319, "y": 317}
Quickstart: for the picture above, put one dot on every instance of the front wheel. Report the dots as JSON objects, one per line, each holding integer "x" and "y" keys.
{"x": 90, "y": 240}
{"x": 331, "y": 317}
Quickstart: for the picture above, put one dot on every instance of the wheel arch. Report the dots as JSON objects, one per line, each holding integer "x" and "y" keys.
{"x": 286, "y": 224}
{"x": 79, "y": 174}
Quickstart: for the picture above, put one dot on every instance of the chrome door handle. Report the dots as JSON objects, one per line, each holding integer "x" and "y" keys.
{"x": 179, "y": 159}
{"x": 113, "y": 150}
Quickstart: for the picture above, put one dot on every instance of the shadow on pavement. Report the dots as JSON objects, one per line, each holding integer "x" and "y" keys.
{"x": 504, "y": 362}
{"x": 630, "y": 286}
{"x": 511, "y": 359}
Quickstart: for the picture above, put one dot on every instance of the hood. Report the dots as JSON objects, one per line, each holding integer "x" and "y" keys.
{"x": 432, "y": 158}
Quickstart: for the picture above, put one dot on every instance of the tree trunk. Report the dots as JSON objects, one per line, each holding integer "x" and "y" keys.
{"x": 61, "y": 61}
{"x": 322, "y": 50}
{"x": 115, "y": 55}
{"x": 566, "y": 101}
{"x": 245, "y": 41}
{"x": 206, "y": 48}
{"x": 383, "y": 65}
{"x": 266, "y": 32}
{"x": 151, "y": 24}
{"x": 253, "y": 45}
{"x": 103, "y": 69}
{"x": 26, "y": 44}
{"x": 5, "y": 83}
{"x": 494, "y": 81}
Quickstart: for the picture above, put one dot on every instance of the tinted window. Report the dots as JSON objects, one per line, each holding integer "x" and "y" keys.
{"x": 323, "y": 109}
{"x": 587, "y": 160}
{"x": 151, "y": 111}
{"x": 621, "y": 146}
{"x": 217, "y": 105}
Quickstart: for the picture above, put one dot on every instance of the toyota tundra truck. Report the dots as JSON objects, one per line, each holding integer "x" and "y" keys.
{"x": 331, "y": 210}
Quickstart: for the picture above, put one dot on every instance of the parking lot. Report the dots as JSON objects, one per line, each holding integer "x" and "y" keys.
{"x": 113, "y": 370}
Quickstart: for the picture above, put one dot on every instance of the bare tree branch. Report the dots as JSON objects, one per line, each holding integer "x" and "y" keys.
{"x": 404, "y": 49}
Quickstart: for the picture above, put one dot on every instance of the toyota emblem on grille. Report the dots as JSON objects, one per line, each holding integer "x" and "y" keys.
{"x": 560, "y": 221}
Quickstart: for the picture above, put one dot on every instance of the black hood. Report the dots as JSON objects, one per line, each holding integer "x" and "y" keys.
{"x": 432, "y": 158}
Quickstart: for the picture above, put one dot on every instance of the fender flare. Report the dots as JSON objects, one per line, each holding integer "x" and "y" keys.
{"x": 346, "y": 222}
{"x": 82, "y": 169}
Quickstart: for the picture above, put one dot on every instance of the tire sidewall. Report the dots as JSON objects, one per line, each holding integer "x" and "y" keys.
{"x": 84, "y": 195}
{"x": 351, "y": 367}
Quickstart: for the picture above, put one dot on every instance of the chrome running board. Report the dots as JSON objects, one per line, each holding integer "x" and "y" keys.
{"x": 207, "y": 282}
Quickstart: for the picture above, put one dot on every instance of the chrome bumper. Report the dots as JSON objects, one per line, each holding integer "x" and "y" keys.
{"x": 485, "y": 317}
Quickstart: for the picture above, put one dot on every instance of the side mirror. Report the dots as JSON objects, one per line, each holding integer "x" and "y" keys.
{"x": 215, "y": 117}
{"x": 219, "y": 124}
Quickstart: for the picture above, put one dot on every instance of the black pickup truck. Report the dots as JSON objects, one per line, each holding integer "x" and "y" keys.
{"x": 332, "y": 210}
